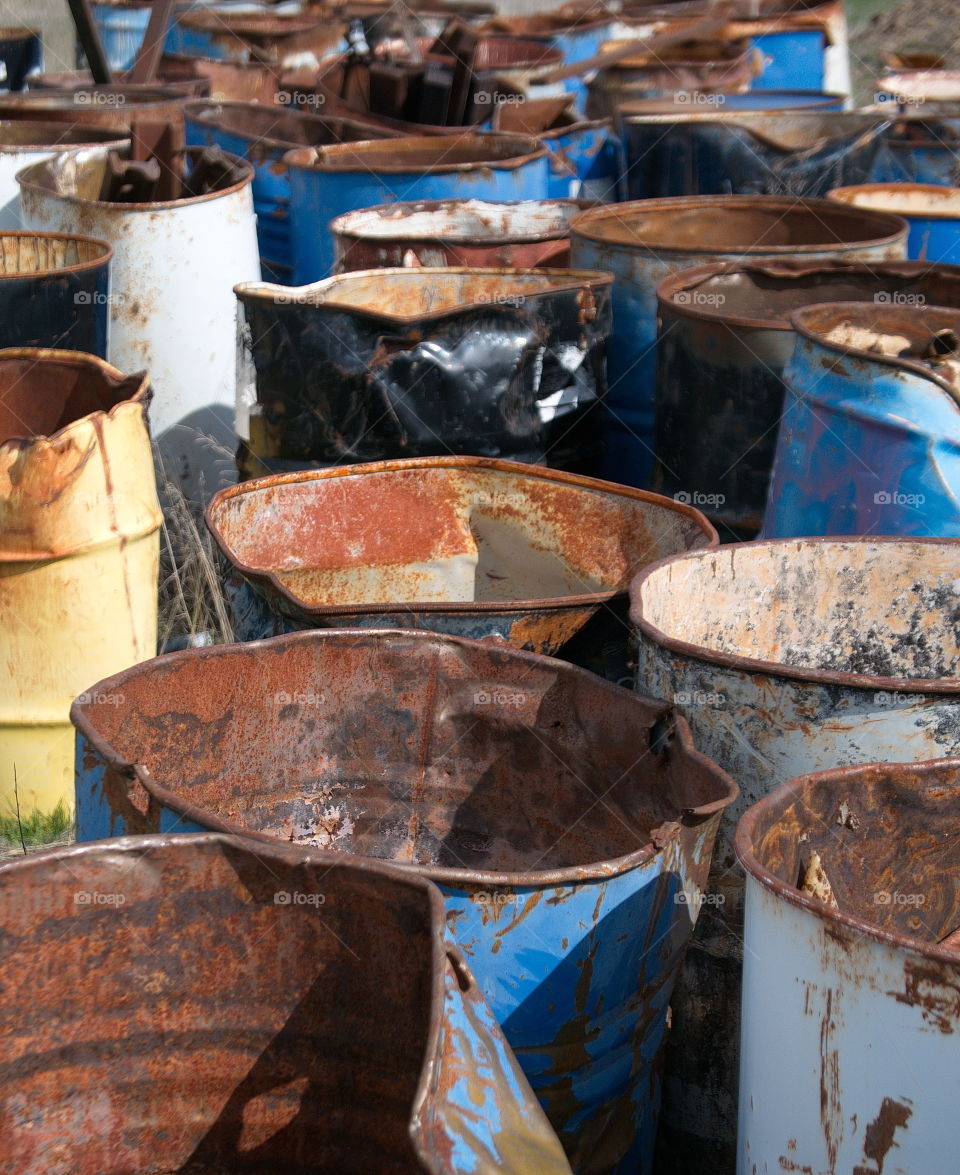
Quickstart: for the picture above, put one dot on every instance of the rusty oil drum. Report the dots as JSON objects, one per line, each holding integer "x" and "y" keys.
{"x": 724, "y": 341}
{"x": 522, "y": 234}
{"x": 568, "y": 822}
{"x": 786, "y": 657}
{"x": 463, "y": 545}
{"x": 862, "y": 994}
{"x": 254, "y": 1008}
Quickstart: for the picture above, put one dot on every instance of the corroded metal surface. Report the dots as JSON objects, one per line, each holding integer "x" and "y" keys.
{"x": 79, "y": 551}
{"x": 461, "y": 545}
{"x": 54, "y": 291}
{"x": 568, "y": 822}
{"x": 869, "y": 442}
{"x": 786, "y": 657}
{"x": 456, "y": 232}
{"x": 328, "y": 181}
{"x": 864, "y": 998}
{"x": 644, "y": 241}
{"x": 724, "y": 340}
{"x": 255, "y": 1009}
{"x": 391, "y": 363}
{"x": 104, "y": 106}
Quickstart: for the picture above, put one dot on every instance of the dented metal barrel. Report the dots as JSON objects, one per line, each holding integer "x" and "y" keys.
{"x": 172, "y": 309}
{"x": 931, "y": 210}
{"x": 54, "y": 291}
{"x": 463, "y": 545}
{"x": 263, "y": 134}
{"x": 786, "y": 657}
{"x": 869, "y": 442}
{"x": 522, "y": 234}
{"x": 121, "y": 25}
{"x": 255, "y": 1008}
{"x": 568, "y": 823}
{"x": 23, "y": 143}
{"x": 328, "y": 181}
{"x": 391, "y": 363}
{"x": 643, "y": 242}
{"x": 855, "y": 980}
{"x": 724, "y": 340}
{"x": 113, "y": 106}
{"x": 79, "y": 551}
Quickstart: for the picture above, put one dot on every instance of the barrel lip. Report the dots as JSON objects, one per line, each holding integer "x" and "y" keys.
{"x": 350, "y": 225}
{"x": 205, "y": 111}
{"x": 934, "y": 686}
{"x": 749, "y": 832}
{"x": 890, "y": 229}
{"x": 28, "y": 179}
{"x": 100, "y": 138}
{"x": 336, "y": 158}
{"x": 848, "y": 195}
{"x": 105, "y": 257}
{"x": 315, "y": 293}
{"x": 688, "y": 279}
{"x": 726, "y": 789}
{"x": 642, "y": 108}
{"x": 800, "y": 318}
{"x": 429, "y": 607}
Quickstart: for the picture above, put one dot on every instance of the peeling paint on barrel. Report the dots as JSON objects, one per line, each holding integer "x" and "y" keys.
{"x": 463, "y": 545}
{"x": 786, "y": 657}
{"x": 864, "y": 998}
{"x": 79, "y": 554}
{"x": 568, "y": 822}
{"x": 335, "y": 1027}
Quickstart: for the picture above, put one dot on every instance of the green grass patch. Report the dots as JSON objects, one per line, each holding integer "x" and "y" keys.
{"x": 37, "y": 828}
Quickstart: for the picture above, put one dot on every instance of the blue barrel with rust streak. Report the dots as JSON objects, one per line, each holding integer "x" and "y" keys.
{"x": 793, "y": 59}
{"x": 586, "y": 161}
{"x": 122, "y": 28}
{"x": 643, "y": 242}
{"x": 931, "y": 211}
{"x": 328, "y": 181}
{"x": 568, "y": 822}
{"x": 263, "y": 135}
{"x": 869, "y": 442}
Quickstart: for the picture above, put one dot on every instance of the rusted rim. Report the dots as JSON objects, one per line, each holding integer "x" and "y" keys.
{"x": 330, "y": 161}
{"x": 756, "y": 123}
{"x": 433, "y": 607}
{"x": 109, "y": 140}
{"x": 205, "y": 110}
{"x": 106, "y": 255}
{"x": 798, "y": 321}
{"x": 688, "y": 279}
{"x": 776, "y": 800}
{"x": 26, "y": 180}
{"x": 442, "y": 948}
{"x": 641, "y": 108}
{"x": 579, "y": 873}
{"x": 343, "y": 225}
{"x": 736, "y": 661}
{"x": 848, "y": 196}
{"x": 890, "y": 229}
{"x": 274, "y": 294}
{"x": 576, "y": 128}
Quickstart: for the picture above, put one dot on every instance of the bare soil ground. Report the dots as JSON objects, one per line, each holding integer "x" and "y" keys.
{"x": 914, "y": 25}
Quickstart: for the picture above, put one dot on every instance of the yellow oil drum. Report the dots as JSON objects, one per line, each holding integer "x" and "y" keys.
{"x": 79, "y": 555}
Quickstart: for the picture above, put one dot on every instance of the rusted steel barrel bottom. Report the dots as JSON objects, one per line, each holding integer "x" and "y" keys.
{"x": 209, "y": 1006}
{"x": 568, "y": 822}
